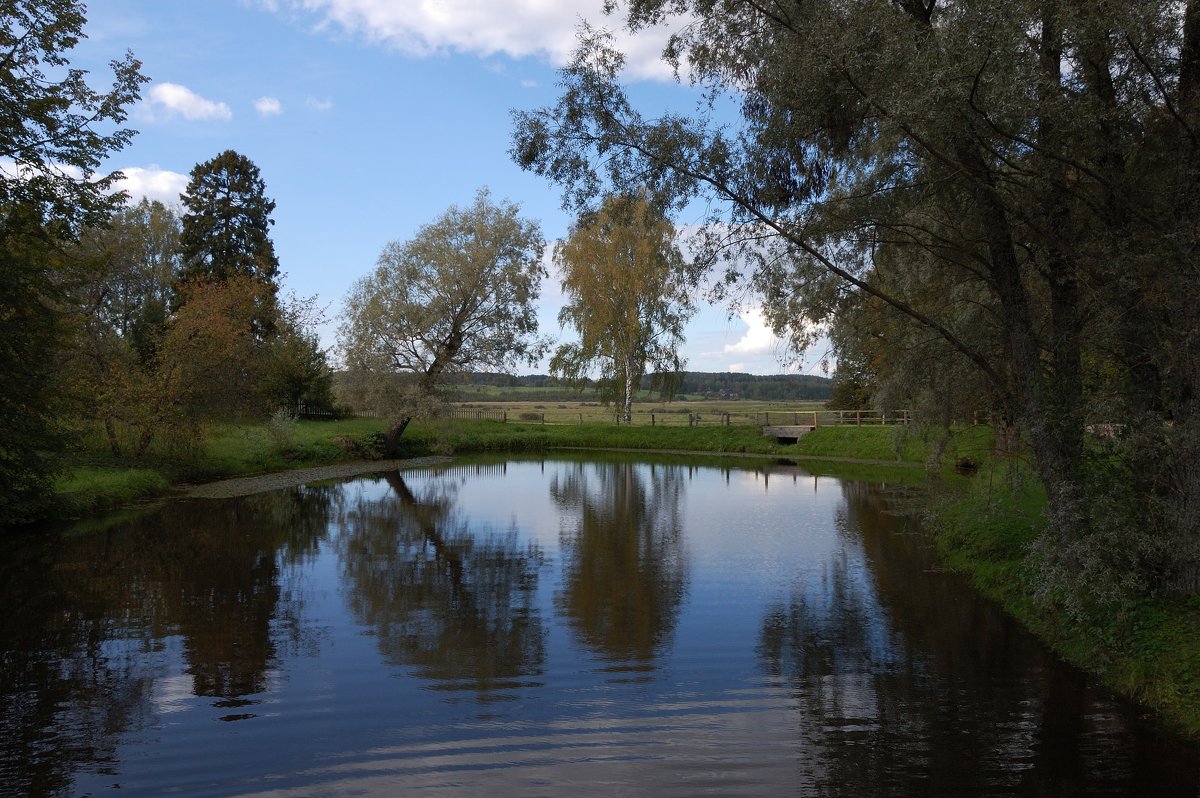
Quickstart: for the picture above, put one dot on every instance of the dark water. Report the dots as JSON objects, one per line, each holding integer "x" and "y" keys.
{"x": 540, "y": 628}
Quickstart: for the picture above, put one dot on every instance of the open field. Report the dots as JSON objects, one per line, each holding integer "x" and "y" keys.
{"x": 702, "y": 412}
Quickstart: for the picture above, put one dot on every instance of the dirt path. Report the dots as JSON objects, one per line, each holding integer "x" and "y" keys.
{"x": 245, "y": 486}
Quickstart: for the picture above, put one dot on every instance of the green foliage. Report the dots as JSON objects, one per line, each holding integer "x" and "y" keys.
{"x": 31, "y": 334}
{"x": 89, "y": 490}
{"x": 227, "y": 230}
{"x": 459, "y": 296}
{"x": 281, "y": 429}
{"x": 297, "y": 370}
{"x": 997, "y": 203}
{"x": 55, "y": 132}
{"x": 1143, "y": 647}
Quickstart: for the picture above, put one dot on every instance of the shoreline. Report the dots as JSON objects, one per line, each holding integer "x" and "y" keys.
{"x": 275, "y": 480}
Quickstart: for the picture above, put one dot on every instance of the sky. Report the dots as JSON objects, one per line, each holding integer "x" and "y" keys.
{"x": 368, "y": 119}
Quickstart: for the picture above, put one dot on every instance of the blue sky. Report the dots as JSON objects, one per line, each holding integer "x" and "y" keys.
{"x": 369, "y": 118}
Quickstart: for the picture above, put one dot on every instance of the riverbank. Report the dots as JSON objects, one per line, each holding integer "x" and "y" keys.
{"x": 98, "y": 482}
{"x": 1144, "y": 647}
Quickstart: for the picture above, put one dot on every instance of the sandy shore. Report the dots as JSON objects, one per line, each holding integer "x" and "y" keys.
{"x": 245, "y": 486}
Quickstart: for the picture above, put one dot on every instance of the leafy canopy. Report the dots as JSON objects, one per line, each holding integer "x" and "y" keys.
{"x": 458, "y": 296}
{"x": 628, "y": 297}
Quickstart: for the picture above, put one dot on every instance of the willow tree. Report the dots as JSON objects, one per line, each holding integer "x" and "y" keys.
{"x": 1044, "y": 152}
{"x": 628, "y": 298}
{"x": 458, "y": 296}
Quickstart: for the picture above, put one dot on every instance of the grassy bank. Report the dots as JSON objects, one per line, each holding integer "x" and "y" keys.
{"x": 98, "y": 481}
{"x": 1146, "y": 647}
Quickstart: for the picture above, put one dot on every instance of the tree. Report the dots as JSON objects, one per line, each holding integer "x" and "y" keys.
{"x": 1040, "y": 153}
{"x": 298, "y": 371}
{"x": 458, "y": 296}
{"x": 128, "y": 271}
{"x": 131, "y": 267}
{"x": 628, "y": 297}
{"x": 55, "y": 132}
{"x": 226, "y": 229}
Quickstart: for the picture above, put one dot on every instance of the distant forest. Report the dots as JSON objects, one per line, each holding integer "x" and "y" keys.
{"x": 696, "y": 384}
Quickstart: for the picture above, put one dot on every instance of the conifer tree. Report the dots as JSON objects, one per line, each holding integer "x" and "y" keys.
{"x": 226, "y": 229}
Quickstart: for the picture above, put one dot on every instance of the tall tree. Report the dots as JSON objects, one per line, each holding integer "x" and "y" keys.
{"x": 227, "y": 229}
{"x": 628, "y": 297}
{"x": 132, "y": 265}
{"x": 459, "y": 296}
{"x": 1041, "y": 152}
{"x": 55, "y": 132}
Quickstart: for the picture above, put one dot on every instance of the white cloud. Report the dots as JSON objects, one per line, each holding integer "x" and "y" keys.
{"x": 516, "y": 28}
{"x": 153, "y": 183}
{"x": 318, "y": 105}
{"x": 758, "y": 339}
{"x": 173, "y": 99}
{"x": 268, "y": 106}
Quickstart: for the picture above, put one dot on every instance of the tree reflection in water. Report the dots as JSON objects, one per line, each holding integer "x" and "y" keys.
{"x": 88, "y": 616}
{"x": 452, "y": 601}
{"x": 907, "y": 683}
{"x": 625, "y": 573}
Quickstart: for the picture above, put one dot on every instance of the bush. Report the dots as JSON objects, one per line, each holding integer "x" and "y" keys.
{"x": 281, "y": 429}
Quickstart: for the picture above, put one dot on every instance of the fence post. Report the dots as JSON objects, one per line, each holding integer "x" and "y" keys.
{"x": 858, "y": 418}
{"x": 505, "y": 411}
{"x": 581, "y": 419}
{"x": 652, "y": 418}
{"x": 814, "y": 419}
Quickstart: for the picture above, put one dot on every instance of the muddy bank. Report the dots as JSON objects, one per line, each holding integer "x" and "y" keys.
{"x": 246, "y": 486}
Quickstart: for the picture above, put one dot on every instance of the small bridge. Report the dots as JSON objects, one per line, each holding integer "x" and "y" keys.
{"x": 788, "y": 434}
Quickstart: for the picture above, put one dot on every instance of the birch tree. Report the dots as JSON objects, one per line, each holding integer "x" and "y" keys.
{"x": 628, "y": 298}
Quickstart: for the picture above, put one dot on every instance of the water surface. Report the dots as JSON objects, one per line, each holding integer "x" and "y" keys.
{"x": 558, "y": 627}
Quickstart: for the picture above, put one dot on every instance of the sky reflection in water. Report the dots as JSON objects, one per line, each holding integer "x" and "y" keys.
{"x": 543, "y": 628}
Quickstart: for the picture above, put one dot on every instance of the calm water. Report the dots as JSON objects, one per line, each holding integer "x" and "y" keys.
{"x": 559, "y": 628}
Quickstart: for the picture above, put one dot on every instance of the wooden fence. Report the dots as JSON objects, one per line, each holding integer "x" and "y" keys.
{"x": 656, "y": 416}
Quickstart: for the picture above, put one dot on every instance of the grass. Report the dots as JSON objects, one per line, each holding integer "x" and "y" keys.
{"x": 91, "y": 489}
{"x": 1147, "y": 647}
{"x": 98, "y": 481}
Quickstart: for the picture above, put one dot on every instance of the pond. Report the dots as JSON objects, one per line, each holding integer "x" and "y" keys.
{"x": 541, "y": 627}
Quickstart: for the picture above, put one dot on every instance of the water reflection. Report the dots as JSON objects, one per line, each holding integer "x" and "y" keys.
{"x": 371, "y": 637}
{"x": 625, "y": 573}
{"x": 88, "y": 619}
{"x": 906, "y": 684}
{"x": 452, "y": 601}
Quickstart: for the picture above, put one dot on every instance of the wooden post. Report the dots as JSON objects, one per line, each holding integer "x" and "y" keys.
{"x": 814, "y": 419}
{"x": 581, "y": 419}
{"x": 652, "y": 418}
{"x": 858, "y": 418}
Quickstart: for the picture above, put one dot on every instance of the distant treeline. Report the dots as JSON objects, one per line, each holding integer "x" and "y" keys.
{"x": 714, "y": 385}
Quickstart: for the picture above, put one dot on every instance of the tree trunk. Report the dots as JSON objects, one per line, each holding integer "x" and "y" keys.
{"x": 391, "y": 439}
{"x": 1184, "y": 575}
{"x": 1051, "y": 412}
{"x": 113, "y": 443}
{"x": 627, "y": 409}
